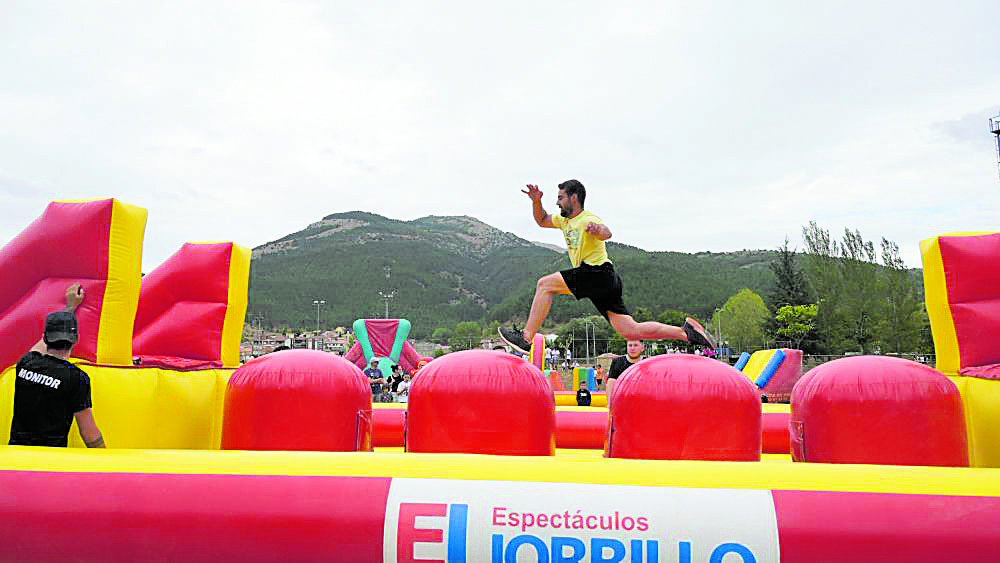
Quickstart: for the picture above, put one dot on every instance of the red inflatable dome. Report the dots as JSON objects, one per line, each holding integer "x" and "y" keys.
{"x": 682, "y": 406}
{"x": 298, "y": 400}
{"x": 483, "y": 402}
{"x": 876, "y": 409}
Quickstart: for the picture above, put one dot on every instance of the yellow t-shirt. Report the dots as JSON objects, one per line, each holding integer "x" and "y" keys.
{"x": 581, "y": 245}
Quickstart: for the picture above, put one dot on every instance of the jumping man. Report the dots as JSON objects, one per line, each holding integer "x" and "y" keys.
{"x": 592, "y": 275}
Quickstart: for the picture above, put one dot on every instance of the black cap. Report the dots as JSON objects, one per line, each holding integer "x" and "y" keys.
{"x": 61, "y": 326}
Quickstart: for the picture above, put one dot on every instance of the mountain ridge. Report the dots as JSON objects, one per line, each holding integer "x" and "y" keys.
{"x": 440, "y": 270}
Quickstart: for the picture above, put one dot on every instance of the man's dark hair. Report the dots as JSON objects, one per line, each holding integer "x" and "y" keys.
{"x": 574, "y": 187}
{"x": 280, "y": 348}
{"x": 59, "y": 345}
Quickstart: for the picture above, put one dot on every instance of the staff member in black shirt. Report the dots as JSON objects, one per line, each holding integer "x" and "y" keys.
{"x": 633, "y": 353}
{"x": 49, "y": 392}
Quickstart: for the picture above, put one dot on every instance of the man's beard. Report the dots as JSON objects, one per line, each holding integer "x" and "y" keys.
{"x": 564, "y": 212}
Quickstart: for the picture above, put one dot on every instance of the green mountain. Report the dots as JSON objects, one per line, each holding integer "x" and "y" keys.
{"x": 442, "y": 270}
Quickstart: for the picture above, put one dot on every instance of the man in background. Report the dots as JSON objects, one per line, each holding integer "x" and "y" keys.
{"x": 633, "y": 353}
{"x": 376, "y": 380}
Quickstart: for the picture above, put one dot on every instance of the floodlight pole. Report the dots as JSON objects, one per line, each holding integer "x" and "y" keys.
{"x": 317, "y": 303}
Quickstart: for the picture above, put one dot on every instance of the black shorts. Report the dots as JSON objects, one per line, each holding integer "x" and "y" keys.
{"x": 601, "y": 284}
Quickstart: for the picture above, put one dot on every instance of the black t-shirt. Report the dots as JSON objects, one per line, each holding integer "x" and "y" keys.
{"x": 47, "y": 392}
{"x": 619, "y": 365}
{"x": 583, "y": 398}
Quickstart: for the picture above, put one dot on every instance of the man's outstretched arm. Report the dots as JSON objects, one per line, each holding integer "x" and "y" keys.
{"x": 600, "y": 231}
{"x": 541, "y": 216}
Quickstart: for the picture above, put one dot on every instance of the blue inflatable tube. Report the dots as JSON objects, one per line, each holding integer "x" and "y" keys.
{"x": 769, "y": 370}
{"x": 742, "y": 361}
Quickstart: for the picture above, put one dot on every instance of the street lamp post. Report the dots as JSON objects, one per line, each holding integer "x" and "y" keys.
{"x": 317, "y": 304}
{"x": 593, "y": 330}
{"x": 718, "y": 327}
{"x": 387, "y": 297}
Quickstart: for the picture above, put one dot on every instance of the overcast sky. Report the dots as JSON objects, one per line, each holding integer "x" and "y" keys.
{"x": 713, "y": 125}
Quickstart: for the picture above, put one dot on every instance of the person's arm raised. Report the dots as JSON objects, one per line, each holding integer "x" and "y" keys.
{"x": 74, "y": 296}
{"x": 541, "y": 216}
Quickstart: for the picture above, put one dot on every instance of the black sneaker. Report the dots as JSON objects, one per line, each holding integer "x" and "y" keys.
{"x": 515, "y": 339}
{"x": 696, "y": 334}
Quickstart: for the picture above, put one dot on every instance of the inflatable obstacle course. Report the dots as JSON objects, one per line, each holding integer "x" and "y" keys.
{"x": 386, "y": 340}
{"x": 184, "y": 503}
{"x": 774, "y": 372}
{"x": 202, "y": 285}
{"x": 962, "y": 296}
{"x": 584, "y": 374}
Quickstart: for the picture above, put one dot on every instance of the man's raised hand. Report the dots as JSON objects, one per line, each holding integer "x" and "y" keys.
{"x": 74, "y": 296}
{"x": 533, "y": 192}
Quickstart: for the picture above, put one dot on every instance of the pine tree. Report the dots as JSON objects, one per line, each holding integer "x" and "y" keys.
{"x": 790, "y": 283}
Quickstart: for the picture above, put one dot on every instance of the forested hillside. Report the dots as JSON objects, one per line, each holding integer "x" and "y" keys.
{"x": 442, "y": 270}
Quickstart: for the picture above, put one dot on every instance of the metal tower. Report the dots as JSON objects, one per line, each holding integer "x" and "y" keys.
{"x": 995, "y": 128}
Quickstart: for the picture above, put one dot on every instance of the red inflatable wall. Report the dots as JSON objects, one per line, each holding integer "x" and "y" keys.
{"x": 181, "y": 317}
{"x": 70, "y": 242}
{"x": 972, "y": 272}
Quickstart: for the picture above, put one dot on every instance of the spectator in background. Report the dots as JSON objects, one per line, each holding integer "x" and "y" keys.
{"x": 403, "y": 390}
{"x": 599, "y": 376}
{"x": 396, "y": 379}
{"x": 633, "y": 353}
{"x": 376, "y": 380}
{"x": 583, "y": 394}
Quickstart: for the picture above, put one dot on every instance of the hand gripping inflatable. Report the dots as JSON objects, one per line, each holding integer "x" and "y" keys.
{"x": 96, "y": 243}
{"x": 191, "y": 308}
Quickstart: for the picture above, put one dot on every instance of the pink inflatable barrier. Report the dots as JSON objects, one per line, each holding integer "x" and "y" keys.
{"x": 177, "y": 517}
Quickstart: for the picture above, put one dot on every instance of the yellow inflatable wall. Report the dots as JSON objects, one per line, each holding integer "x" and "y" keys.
{"x": 147, "y": 408}
{"x": 980, "y": 397}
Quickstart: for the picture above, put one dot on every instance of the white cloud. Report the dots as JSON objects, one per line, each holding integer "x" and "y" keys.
{"x": 718, "y": 125}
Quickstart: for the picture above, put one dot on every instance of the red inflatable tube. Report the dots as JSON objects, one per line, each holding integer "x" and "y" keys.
{"x": 83, "y": 516}
{"x": 827, "y": 526}
{"x": 774, "y": 433}
{"x": 577, "y": 429}
{"x": 581, "y": 429}
{"x": 387, "y": 427}
{"x": 62, "y": 516}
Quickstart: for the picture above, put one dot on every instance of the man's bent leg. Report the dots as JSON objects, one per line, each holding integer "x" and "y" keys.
{"x": 626, "y": 326}
{"x": 547, "y": 287}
